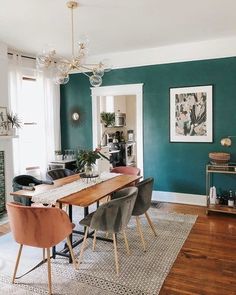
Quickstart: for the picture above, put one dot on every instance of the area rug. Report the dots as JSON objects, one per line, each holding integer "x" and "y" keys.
{"x": 140, "y": 273}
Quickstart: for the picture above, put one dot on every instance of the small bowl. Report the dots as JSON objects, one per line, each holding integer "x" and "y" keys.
{"x": 219, "y": 158}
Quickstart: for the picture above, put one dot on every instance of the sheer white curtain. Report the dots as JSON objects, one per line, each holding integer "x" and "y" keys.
{"x": 47, "y": 99}
{"x": 51, "y": 100}
{"x": 14, "y": 89}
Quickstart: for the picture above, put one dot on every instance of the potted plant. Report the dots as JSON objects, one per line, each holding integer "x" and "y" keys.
{"x": 13, "y": 122}
{"x": 87, "y": 159}
{"x": 108, "y": 119}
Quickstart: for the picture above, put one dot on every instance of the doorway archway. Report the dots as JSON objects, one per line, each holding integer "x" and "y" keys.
{"x": 127, "y": 89}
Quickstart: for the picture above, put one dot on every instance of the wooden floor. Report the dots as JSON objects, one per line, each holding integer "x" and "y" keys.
{"x": 206, "y": 264}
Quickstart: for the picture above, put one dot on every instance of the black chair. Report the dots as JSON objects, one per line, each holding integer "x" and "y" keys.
{"x": 142, "y": 204}
{"x": 111, "y": 217}
{"x": 58, "y": 173}
{"x": 23, "y": 181}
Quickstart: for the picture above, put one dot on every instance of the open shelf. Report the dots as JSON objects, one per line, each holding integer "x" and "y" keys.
{"x": 222, "y": 209}
{"x": 229, "y": 168}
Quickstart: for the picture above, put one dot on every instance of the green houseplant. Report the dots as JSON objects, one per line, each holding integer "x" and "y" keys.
{"x": 87, "y": 159}
{"x": 108, "y": 119}
{"x": 13, "y": 122}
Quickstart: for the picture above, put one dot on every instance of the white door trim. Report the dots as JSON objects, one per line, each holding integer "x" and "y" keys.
{"x": 126, "y": 89}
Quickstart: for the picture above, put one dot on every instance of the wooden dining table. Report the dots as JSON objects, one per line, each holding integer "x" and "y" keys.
{"x": 83, "y": 198}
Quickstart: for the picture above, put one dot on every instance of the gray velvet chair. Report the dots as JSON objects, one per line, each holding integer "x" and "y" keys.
{"x": 111, "y": 217}
{"x": 58, "y": 173}
{"x": 142, "y": 204}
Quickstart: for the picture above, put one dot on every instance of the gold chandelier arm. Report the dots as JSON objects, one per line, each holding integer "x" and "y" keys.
{"x": 86, "y": 67}
{"x": 81, "y": 67}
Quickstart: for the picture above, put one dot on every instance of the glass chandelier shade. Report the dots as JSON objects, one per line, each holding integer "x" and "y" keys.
{"x": 62, "y": 67}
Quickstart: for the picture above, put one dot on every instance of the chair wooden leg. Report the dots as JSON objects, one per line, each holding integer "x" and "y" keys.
{"x": 150, "y": 223}
{"x": 140, "y": 233}
{"x": 83, "y": 246}
{"x": 71, "y": 252}
{"x": 94, "y": 240}
{"x": 17, "y": 263}
{"x": 49, "y": 272}
{"x": 116, "y": 255}
{"x": 44, "y": 254}
{"x": 126, "y": 242}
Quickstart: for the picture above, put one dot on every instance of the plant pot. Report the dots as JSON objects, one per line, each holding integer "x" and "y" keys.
{"x": 12, "y": 131}
{"x": 88, "y": 170}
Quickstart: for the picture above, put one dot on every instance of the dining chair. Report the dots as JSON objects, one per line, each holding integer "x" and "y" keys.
{"x": 142, "y": 204}
{"x": 58, "y": 173}
{"x": 111, "y": 217}
{"x": 126, "y": 170}
{"x": 40, "y": 227}
{"x": 24, "y": 181}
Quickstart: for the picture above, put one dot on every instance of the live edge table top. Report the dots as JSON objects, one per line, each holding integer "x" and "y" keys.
{"x": 86, "y": 196}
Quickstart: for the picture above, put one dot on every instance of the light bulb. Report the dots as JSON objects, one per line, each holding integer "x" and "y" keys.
{"x": 226, "y": 142}
{"x": 43, "y": 61}
{"x": 99, "y": 72}
{"x": 63, "y": 67}
{"x": 95, "y": 80}
{"x": 75, "y": 116}
{"x": 83, "y": 42}
{"x": 66, "y": 80}
{"x": 60, "y": 79}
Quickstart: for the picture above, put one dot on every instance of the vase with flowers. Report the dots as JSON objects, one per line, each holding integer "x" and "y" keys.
{"x": 86, "y": 160}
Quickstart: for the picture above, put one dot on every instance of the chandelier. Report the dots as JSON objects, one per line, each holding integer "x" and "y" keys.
{"x": 62, "y": 67}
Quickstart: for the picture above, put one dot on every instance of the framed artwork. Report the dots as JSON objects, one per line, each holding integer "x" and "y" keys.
{"x": 191, "y": 114}
{"x": 3, "y": 121}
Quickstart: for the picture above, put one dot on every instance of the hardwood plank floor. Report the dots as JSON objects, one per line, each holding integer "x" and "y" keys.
{"x": 206, "y": 264}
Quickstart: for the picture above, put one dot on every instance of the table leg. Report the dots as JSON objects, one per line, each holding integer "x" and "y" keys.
{"x": 71, "y": 235}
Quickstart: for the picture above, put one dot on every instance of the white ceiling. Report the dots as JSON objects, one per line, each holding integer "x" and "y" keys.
{"x": 114, "y": 25}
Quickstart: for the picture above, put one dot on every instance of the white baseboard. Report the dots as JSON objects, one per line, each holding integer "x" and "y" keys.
{"x": 179, "y": 198}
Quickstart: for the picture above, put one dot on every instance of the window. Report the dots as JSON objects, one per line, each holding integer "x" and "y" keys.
{"x": 32, "y": 134}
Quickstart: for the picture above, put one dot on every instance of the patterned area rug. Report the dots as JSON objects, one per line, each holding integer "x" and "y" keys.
{"x": 140, "y": 273}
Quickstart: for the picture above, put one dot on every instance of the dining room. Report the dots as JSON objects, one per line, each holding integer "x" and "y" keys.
{"x": 117, "y": 147}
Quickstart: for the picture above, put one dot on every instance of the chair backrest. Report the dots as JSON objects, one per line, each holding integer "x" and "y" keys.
{"x": 126, "y": 170}
{"x": 19, "y": 182}
{"x": 58, "y": 173}
{"x": 114, "y": 215}
{"x": 144, "y": 197}
{"x": 38, "y": 226}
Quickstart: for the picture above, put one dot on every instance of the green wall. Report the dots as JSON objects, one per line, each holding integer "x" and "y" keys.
{"x": 176, "y": 167}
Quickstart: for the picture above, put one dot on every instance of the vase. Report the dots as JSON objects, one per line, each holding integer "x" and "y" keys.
{"x": 88, "y": 169}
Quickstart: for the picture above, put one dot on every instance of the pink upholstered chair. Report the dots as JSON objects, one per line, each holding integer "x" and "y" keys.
{"x": 126, "y": 170}
{"x": 129, "y": 170}
{"x": 39, "y": 227}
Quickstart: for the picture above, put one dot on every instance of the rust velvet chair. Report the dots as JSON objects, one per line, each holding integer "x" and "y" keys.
{"x": 126, "y": 170}
{"x": 39, "y": 227}
{"x": 129, "y": 170}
